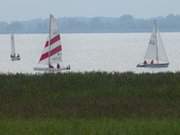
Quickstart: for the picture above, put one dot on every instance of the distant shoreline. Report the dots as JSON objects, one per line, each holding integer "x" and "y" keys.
{"x": 88, "y": 33}
{"x": 122, "y": 24}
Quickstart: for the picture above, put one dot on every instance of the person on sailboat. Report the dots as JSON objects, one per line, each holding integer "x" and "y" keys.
{"x": 51, "y": 66}
{"x": 152, "y": 61}
{"x": 145, "y": 62}
{"x": 58, "y": 66}
{"x": 68, "y": 67}
{"x": 18, "y": 56}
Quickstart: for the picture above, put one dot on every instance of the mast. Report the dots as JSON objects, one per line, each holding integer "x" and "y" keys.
{"x": 12, "y": 45}
{"x": 49, "y": 44}
{"x": 156, "y": 40}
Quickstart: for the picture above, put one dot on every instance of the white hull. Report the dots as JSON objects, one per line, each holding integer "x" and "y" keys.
{"x": 15, "y": 58}
{"x": 157, "y": 65}
{"x": 51, "y": 70}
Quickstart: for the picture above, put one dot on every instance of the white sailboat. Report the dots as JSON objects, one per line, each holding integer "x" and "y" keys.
{"x": 13, "y": 56}
{"x": 155, "y": 55}
{"x": 52, "y": 52}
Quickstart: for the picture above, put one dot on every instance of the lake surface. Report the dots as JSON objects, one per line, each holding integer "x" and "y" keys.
{"x": 90, "y": 52}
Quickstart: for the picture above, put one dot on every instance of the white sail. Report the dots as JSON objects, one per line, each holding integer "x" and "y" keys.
{"x": 155, "y": 50}
{"x": 52, "y": 52}
{"x": 162, "y": 56}
{"x": 152, "y": 48}
{"x": 13, "y": 53}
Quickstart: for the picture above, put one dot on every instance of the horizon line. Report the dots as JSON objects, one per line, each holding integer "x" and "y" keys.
{"x": 133, "y": 16}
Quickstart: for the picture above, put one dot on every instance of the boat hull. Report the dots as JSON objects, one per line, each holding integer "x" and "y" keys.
{"x": 15, "y": 58}
{"x": 158, "y": 65}
{"x": 51, "y": 70}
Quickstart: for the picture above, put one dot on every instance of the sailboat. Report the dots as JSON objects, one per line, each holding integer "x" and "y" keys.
{"x": 52, "y": 53}
{"x": 155, "y": 55}
{"x": 13, "y": 56}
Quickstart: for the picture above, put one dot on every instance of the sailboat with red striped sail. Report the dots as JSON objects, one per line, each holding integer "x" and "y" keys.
{"x": 52, "y": 52}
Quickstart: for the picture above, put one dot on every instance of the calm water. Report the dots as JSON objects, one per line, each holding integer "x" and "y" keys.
{"x": 90, "y": 52}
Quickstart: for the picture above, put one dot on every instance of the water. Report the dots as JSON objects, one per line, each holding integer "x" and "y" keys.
{"x": 90, "y": 52}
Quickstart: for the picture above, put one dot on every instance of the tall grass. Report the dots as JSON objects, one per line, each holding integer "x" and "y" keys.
{"x": 90, "y": 95}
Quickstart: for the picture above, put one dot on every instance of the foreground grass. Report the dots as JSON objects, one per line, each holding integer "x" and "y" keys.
{"x": 90, "y": 95}
{"x": 90, "y": 104}
{"x": 90, "y": 127}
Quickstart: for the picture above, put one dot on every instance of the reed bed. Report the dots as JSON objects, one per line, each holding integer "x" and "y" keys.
{"x": 97, "y": 103}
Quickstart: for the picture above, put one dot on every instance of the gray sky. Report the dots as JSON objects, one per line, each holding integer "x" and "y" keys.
{"x": 29, "y": 9}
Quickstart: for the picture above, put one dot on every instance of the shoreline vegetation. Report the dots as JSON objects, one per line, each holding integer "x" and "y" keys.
{"x": 90, "y": 103}
{"x": 122, "y": 24}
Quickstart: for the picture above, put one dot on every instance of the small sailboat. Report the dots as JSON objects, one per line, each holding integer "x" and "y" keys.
{"x": 52, "y": 52}
{"x": 14, "y": 56}
{"x": 155, "y": 55}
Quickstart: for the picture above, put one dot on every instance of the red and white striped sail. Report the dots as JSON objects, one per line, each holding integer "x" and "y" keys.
{"x": 52, "y": 52}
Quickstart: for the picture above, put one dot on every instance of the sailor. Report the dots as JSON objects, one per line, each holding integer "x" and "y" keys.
{"x": 68, "y": 67}
{"x": 18, "y": 55}
{"x": 152, "y": 61}
{"x": 145, "y": 62}
{"x": 50, "y": 66}
{"x": 12, "y": 55}
{"x": 58, "y": 66}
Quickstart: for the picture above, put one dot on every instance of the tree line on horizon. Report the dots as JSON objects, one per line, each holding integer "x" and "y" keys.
{"x": 122, "y": 24}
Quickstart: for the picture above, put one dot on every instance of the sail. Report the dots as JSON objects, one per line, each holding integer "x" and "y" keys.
{"x": 155, "y": 50}
{"x": 162, "y": 56}
{"x": 52, "y": 52}
{"x": 13, "y": 53}
{"x": 152, "y": 48}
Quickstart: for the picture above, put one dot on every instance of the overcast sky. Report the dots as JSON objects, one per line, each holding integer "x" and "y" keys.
{"x": 28, "y": 9}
